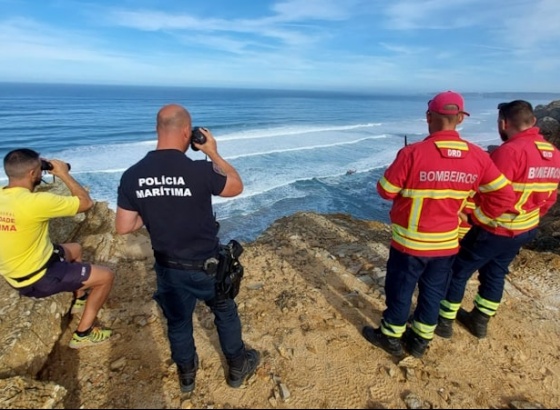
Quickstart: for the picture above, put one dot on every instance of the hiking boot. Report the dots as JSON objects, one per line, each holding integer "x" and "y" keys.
{"x": 79, "y": 304}
{"x": 414, "y": 344}
{"x": 444, "y": 328}
{"x": 187, "y": 375}
{"x": 242, "y": 368}
{"x": 475, "y": 321}
{"x": 96, "y": 336}
{"x": 391, "y": 345}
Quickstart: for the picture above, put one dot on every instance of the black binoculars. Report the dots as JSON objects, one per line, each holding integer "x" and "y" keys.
{"x": 198, "y": 137}
{"x": 47, "y": 166}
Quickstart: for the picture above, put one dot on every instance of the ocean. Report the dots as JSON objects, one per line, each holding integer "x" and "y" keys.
{"x": 295, "y": 150}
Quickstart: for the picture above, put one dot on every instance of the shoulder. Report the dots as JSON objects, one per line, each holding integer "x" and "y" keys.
{"x": 45, "y": 202}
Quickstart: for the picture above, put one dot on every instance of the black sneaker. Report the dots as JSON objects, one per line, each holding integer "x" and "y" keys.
{"x": 187, "y": 375}
{"x": 444, "y": 328}
{"x": 414, "y": 344}
{"x": 239, "y": 372}
{"x": 391, "y": 345}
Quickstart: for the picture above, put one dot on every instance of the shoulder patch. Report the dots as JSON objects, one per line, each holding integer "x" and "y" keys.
{"x": 452, "y": 149}
{"x": 546, "y": 149}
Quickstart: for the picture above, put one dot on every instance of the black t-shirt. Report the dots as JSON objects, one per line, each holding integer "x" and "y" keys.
{"x": 173, "y": 195}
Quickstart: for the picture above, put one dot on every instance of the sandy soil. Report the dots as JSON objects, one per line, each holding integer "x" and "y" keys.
{"x": 311, "y": 283}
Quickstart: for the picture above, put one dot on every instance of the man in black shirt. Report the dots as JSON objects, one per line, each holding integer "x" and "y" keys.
{"x": 171, "y": 195}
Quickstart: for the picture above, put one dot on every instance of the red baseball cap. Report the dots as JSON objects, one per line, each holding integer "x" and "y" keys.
{"x": 439, "y": 102}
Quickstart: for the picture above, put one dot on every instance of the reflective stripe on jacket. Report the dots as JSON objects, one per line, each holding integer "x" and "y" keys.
{"x": 429, "y": 183}
{"x": 465, "y": 226}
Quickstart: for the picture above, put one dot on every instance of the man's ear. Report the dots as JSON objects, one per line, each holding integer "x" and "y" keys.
{"x": 534, "y": 121}
{"x": 428, "y": 116}
{"x": 34, "y": 173}
{"x": 502, "y": 123}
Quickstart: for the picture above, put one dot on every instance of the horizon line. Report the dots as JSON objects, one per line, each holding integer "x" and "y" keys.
{"x": 247, "y": 88}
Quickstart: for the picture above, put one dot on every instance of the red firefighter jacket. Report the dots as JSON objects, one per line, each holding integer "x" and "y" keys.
{"x": 429, "y": 183}
{"x": 532, "y": 164}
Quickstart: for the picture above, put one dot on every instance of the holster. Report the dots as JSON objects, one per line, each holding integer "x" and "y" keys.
{"x": 230, "y": 271}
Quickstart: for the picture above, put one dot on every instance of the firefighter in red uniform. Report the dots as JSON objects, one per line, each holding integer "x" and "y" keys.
{"x": 532, "y": 164}
{"x": 429, "y": 183}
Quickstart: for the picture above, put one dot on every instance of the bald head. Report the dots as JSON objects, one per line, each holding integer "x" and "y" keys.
{"x": 173, "y": 116}
{"x": 173, "y": 127}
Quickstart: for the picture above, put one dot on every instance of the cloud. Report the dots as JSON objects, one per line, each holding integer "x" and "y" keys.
{"x": 150, "y": 20}
{"x": 403, "y": 49}
{"x": 432, "y": 14}
{"x": 24, "y": 38}
{"x": 534, "y": 24}
{"x": 297, "y": 10}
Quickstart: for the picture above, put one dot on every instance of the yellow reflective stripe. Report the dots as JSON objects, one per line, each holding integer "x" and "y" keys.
{"x": 423, "y": 246}
{"x": 535, "y": 186}
{"x": 519, "y": 222}
{"x": 522, "y": 201}
{"x": 486, "y": 306}
{"x": 424, "y": 236}
{"x": 449, "y": 310}
{"x": 460, "y": 145}
{"x": 469, "y": 205}
{"x": 481, "y": 216}
{"x": 450, "y": 306}
{"x": 521, "y": 226}
{"x": 423, "y": 330}
{"x": 544, "y": 146}
{"x": 414, "y": 215}
{"x": 392, "y": 330}
{"x": 387, "y": 186}
{"x": 463, "y": 232}
{"x": 495, "y": 185}
{"x": 512, "y": 226}
{"x": 448, "y": 315}
{"x": 508, "y": 217}
{"x": 434, "y": 194}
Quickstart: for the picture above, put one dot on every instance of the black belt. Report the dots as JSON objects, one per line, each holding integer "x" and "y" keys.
{"x": 56, "y": 255}
{"x": 181, "y": 264}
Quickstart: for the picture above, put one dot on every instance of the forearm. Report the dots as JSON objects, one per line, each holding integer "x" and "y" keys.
{"x": 234, "y": 184}
{"x": 224, "y": 166}
{"x": 77, "y": 190}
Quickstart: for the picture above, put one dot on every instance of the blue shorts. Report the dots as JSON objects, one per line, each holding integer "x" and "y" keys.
{"x": 61, "y": 276}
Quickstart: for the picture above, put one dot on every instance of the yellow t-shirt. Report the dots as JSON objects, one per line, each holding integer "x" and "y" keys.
{"x": 25, "y": 245}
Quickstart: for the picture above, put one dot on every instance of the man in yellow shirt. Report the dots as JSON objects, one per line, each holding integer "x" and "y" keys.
{"x": 29, "y": 261}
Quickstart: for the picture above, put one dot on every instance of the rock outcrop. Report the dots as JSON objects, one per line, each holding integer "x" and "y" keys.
{"x": 548, "y": 120}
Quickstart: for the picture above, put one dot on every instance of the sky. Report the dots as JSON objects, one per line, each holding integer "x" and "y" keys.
{"x": 355, "y": 45}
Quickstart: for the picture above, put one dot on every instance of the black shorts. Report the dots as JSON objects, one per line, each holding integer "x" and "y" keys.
{"x": 61, "y": 276}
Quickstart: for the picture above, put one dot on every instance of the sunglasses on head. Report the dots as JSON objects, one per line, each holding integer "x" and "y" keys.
{"x": 502, "y": 105}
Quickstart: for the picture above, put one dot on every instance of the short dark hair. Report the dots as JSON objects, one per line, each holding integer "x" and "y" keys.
{"x": 518, "y": 112}
{"x": 19, "y": 161}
